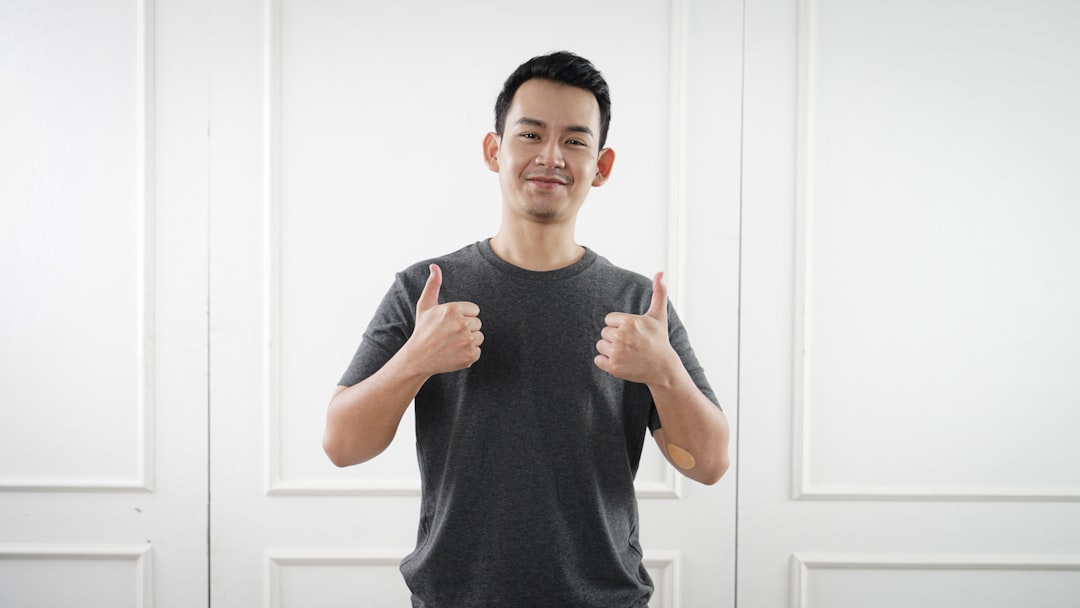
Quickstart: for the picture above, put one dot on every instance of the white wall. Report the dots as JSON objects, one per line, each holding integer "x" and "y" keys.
{"x": 909, "y": 341}
{"x": 868, "y": 209}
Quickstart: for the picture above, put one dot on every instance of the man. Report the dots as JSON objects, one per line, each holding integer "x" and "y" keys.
{"x": 536, "y": 366}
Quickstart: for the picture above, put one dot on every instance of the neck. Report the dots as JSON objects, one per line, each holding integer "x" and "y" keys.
{"x": 538, "y": 248}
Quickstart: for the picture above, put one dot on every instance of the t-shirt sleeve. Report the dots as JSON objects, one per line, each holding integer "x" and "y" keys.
{"x": 387, "y": 332}
{"x": 680, "y": 341}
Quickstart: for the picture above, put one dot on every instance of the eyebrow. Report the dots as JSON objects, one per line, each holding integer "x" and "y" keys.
{"x": 536, "y": 122}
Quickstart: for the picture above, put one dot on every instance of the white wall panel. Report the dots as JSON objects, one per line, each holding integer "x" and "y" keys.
{"x": 931, "y": 581}
{"x": 103, "y": 314}
{"x": 665, "y": 569}
{"x": 329, "y": 580}
{"x": 44, "y": 576}
{"x": 343, "y": 182}
{"x": 306, "y": 578}
{"x": 346, "y": 145}
{"x": 936, "y": 341}
{"x": 76, "y": 258}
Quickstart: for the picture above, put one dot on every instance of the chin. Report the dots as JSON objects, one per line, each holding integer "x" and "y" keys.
{"x": 544, "y": 215}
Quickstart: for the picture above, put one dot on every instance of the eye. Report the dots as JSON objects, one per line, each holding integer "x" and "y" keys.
{"x": 529, "y": 135}
{"x": 576, "y": 142}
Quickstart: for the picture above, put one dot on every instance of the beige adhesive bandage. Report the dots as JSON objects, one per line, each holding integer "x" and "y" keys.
{"x": 680, "y": 457}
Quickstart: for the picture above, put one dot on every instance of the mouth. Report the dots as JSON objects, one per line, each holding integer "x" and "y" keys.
{"x": 547, "y": 180}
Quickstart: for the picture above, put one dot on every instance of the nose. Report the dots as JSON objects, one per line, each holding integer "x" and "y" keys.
{"x": 551, "y": 156}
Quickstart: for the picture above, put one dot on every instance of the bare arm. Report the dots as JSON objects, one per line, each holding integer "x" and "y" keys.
{"x": 362, "y": 420}
{"x": 695, "y": 433}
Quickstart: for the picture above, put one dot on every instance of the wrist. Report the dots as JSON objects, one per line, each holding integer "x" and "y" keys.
{"x": 669, "y": 372}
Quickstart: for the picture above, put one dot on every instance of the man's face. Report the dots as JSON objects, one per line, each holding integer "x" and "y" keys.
{"x": 548, "y": 157}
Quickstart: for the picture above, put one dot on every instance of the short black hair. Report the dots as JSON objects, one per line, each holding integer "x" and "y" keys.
{"x": 562, "y": 67}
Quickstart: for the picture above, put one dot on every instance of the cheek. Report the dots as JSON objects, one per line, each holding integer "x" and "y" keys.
{"x": 586, "y": 170}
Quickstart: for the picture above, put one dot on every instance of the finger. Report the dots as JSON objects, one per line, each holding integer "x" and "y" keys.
{"x": 465, "y": 309}
{"x": 658, "y": 305}
{"x": 605, "y": 348}
{"x": 609, "y": 333}
{"x": 617, "y": 319}
{"x": 429, "y": 298}
{"x": 602, "y": 362}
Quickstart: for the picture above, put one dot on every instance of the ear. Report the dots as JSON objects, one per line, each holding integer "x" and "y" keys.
{"x": 603, "y": 166}
{"x": 491, "y": 151}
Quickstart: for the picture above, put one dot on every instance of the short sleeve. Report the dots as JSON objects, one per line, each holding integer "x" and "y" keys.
{"x": 680, "y": 341}
{"x": 387, "y": 332}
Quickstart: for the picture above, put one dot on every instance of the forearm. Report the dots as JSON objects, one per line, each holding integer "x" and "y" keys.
{"x": 362, "y": 419}
{"x": 694, "y": 435}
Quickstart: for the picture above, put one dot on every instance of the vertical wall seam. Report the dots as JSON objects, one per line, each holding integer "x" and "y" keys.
{"x": 739, "y": 292}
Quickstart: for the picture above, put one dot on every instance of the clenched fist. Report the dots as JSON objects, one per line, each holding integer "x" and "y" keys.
{"x": 447, "y": 336}
{"x": 636, "y": 347}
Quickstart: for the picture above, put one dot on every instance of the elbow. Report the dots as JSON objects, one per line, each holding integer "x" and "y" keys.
{"x": 713, "y": 473}
{"x": 338, "y": 453}
{"x": 344, "y": 452}
{"x": 716, "y": 472}
{"x": 720, "y": 461}
{"x": 334, "y": 453}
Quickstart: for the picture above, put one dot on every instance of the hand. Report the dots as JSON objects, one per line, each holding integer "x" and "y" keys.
{"x": 636, "y": 347}
{"x": 447, "y": 336}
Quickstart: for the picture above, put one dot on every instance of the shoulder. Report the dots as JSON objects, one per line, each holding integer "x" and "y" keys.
{"x": 458, "y": 268}
{"x": 466, "y": 257}
{"x": 620, "y": 288}
{"x": 623, "y": 278}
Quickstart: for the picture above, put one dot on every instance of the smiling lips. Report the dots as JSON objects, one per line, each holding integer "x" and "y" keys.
{"x": 547, "y": 179}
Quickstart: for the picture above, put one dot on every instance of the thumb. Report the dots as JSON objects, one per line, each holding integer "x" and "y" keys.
{"x": 429, "y": 298}
{"x": 658, "y": 305}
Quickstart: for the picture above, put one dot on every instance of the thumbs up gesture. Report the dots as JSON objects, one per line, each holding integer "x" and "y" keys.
{"x": 636, "y": 347}
{"x": 447, "y": 336}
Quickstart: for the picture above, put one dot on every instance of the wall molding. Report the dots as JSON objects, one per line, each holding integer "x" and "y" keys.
{"x": 83, "y": 484}
{"x": 275, "y": 484}
{"x": 141, "y": 555}
{"x": 272, "y": 256}
{"x": 669, "y": 487}
{"x": 669, "y": 583}
{"x": 802, "y": 564}
{"x": 880, "y": 492}
{"x": 147, "y": 235}
{"x": 677, "y": 203}
{"x": 803, "y": 486}
{"x": 804, "y": 111}
{"x": 276, "y": 559}
{"x": 343, "y": 487}
{"x": 143, "y": 481}
{"x": 667, "y": 562}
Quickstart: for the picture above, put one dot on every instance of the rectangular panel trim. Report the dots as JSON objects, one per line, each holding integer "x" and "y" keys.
{"x": 275, "y": 485}
{"x": 140, "y": 554}
{"x": 669, "y": 563}
{"x": 802, "y": 564}
{"x": 75, "y": 484}
{"x": 802, "y": 445}
{"x": 275, "y": 559}
{"x": 144, "y": 292}
{"x": 350, "y": 487}
{"x": 812, "y": 491}
{"x": 335, "y": 557}
{"x": 677, "y": 203}
{"x": 670, "y": 487}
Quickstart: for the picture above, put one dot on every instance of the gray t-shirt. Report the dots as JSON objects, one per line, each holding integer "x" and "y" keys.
{"x": 527, "y": 459}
